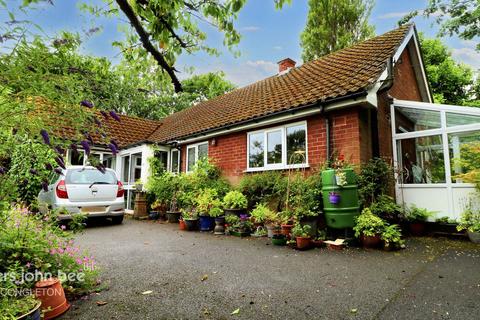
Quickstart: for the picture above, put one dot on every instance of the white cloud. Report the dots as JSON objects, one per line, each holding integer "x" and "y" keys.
{"x": 278, "y": 48}
{"x": 250, "y": 29}
{"x": 468, "y": 56}
{"x": 393, "y": 15}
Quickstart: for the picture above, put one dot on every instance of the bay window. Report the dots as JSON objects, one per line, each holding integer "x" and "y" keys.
{"x": 278, "y": 148}
{"x": 196, "y": 152}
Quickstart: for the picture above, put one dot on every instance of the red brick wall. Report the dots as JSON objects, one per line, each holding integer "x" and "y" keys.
{"x": 230, "y": 151}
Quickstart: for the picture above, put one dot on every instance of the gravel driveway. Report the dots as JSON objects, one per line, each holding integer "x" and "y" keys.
{"x": 194, "y": 275}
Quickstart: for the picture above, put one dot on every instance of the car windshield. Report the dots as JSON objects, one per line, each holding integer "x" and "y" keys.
{"x": 89, "y": 176}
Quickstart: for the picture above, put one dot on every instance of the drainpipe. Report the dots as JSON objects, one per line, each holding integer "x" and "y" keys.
{"x": 327, "y": 132}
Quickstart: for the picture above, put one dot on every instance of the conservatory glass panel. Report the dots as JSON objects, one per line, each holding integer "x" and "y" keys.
{"x": 458, "y": 119}
{"x": 410, "y": 119}
{"x": 464, "y": 151}
{"x": 421, "y": 160}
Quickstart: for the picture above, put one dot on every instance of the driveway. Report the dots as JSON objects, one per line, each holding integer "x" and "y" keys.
{"x": 194, "y": 275}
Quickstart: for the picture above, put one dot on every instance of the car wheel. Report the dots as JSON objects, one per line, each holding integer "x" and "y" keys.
{"x": 117, "y": 220}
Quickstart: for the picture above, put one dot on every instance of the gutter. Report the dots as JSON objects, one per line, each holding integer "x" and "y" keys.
{"x": 284, "y": 115}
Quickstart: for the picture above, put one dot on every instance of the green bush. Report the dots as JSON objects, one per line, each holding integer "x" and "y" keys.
{"x": 392, "y": 236}
{"x": 415, "y": 214}
{"x": 374, "y": 180}
{"x": 263, "y": 214}
{"x": 208, "y": 203}
{"x": 305, "y": 195}
{"x": 386, "y": 208}
{"x": 267, "y": 187}
{"x": 368, "y": 224}
{"x": 301, "y": 231}
{"x": 469, "y": 220}
{"x": 235, "y": 200}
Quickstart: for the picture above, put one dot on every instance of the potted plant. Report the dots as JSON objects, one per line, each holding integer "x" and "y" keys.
{"x": 139, "y": 185}
{"x": 445, "y": 225}
{"x": 189, "y": 212}
{"x": 173, "y": 214}
{"x": 319, "y": 240}
{"x": 50, "y": 292}
{"x": 239, "y": 226}
{"x": 158, "y": 210}
{"x": 20, "y": 308}
{"x": 470, "y": 221}
{"x": 368, "y": 227}
{"x": 205, "y": 201}
{"x": 262, "y": 215}
{"x": 235, "y": 202}
{"x": 279, "y": 239}
{"x": 417, "y": 218}
{"x": 216, "y": 212}
{"x": 392, "y": 237}
{"x": 286, "y": 222}
{"x": 386, "y": 208}
{"x": 301, "y": 235}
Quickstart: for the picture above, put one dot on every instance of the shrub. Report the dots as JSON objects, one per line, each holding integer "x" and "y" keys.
{"x": 469, "y": 220}
{"x": 374, "y": 180}
{"x": 262, "y": 214}
{"x": 266, "y": 187}
{"x": 368, "y": 224}
{"x": 386, "y": 208}
{"x": 415, "y": 214}
{"x": 208, "y": 203}
{"x": 235, "y": 200}
{"x": 301, "y": 231}
{"x": 304, "y": 195}
{"x": 392, "y": 236}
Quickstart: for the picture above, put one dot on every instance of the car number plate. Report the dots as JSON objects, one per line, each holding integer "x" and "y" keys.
{"x": 93, "y": 209}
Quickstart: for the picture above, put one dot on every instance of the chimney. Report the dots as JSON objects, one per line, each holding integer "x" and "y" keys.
{"x": 285, "y": 64}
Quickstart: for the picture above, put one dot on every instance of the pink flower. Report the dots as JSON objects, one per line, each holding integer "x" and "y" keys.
{"x": 63, "y": 227}
{"x": 28, "y": 265}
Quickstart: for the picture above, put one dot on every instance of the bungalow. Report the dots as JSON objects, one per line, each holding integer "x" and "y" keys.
{"x": 345, "y": 102}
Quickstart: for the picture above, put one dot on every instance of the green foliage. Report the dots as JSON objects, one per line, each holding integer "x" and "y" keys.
{"x": 235, "y": 200}
{"x": 263, "y": 214}
{"x": 208, "y": 203}
{"x": 13, "y": 307}
{"x": 386, "y": 208}
{"x": 469, "y": 220}
{"x": 469, "y": 162}
{"x": 301, "y": 231}
{"x": 30, "y": 243}
{"x": 232, "y": 219}
{"x": 415, "y": 214}
{"x": 305, "y": 195}
{"x": 207, "y": 86}
{"x": 392, "y": 236}
{"x": 267, "y": 187}
{"x": 335, "y": 24}
{"x": 368, "y": 224}
{"x": 374, "y": 180}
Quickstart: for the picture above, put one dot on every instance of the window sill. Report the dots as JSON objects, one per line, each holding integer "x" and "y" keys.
{"x": 298, "y": 166}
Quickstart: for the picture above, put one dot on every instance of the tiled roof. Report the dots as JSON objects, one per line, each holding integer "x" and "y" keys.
{"x": 338, "y": 74}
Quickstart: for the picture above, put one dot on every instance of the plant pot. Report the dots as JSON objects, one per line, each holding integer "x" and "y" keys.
{"x": 33, "y": 314}
{"x": 236, "y": 212}
{"x": 370, "y": 241}
{"x": 219, "y": 226}
{"x": 287, "y": 230}
{"x": 312, "y": 222}
{"x": 182, "y": 225}
{"x": 50, "y": 293}
{"x": 207, "y": 223}
{"x": 417, "y": 228}
{"x": 139, "y": 187}
{"x": 334, "y": 198}
{"x": 279, "y": 240}
{"x": 474, "y": 236}
{"x": 191, "y": 224}
{"x": 270, "y": 230}
{"x": 173, "y": 216}
{"x": 302, "y": 243}
{"x": 317, "y": 243}
{"x": 154, "y": 215}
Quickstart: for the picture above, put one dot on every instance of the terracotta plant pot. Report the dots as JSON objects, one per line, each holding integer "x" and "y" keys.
{"x": 417, "y": 228}
{"x": 50, "y": 293}
{"x": 182, "y": 225}
{"x": 371, "y": 241}
{"x": 287, "y": 230}
{"x": 302, "y": 243}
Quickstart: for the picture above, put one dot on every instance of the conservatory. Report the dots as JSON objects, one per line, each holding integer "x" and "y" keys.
{"x": 436, "y": 152}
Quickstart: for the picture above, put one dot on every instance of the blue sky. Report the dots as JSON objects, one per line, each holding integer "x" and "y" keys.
{"x": 269, "y": 35}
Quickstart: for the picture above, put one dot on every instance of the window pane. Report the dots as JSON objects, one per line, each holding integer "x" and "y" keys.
{"x": 410, "y": 119}
{"x": 465, "y": 154}
{"x": 274, "y": 147}
{"x": 296, "y": 144}
{"x": 175, "y": 157}
{"x": 255, "y": 158}
{"x": 203, "y": 151}
{"x": 458, "y": 119}
{"x": 125, "y": 168}
{"x": 76, "y": 158}
{"x": 93, "y": 159}
{"x": 421, "y": 160}
{"x": 161, "y": 162}
{"x": 109, "y": 161}
{"x": 136, "y": 167}
{"x": 191, "y": 158}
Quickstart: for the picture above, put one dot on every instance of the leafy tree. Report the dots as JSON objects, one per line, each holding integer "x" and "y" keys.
{"x": 451, "y": 82}
{"x": 335, "y": 24}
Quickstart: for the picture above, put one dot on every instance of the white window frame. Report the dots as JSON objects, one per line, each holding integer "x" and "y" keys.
{"x": 170, "y": 162}
{"x": 194, "y": 146}
{"x": 283, "y": 165}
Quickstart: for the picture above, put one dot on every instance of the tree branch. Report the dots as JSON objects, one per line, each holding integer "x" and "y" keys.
{"x": 147, "y": 44}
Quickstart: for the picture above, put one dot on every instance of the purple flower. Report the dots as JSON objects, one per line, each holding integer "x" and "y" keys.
{"x": 45, "y": 136}
{"x": 113, "y": 148}
{"x": 88, "y": 137}
{"x": 86, "y": 147}
{"x": 59, "y": 161}
{"x": 97, "y": 122}
{"x": 104, "y": 114}
{"x": 86, "y": 103}
{"x": 243, "y": 217}
{"x": 100, "y": 167}
{"x": 114, "y": 143}
{"x": 48, "y": 166}
{"x": 45, "y": 186}
{"x": 58, "y": 171}
{"x": 59, "y": 150}
{"x": 2, "y": 170}
{"x": 33, "y": 171}
{"x": 114, "y": 116}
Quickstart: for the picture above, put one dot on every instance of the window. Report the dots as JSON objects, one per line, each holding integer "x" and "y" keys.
{"x": 161, "y": 162}
{"x": 175, "y": 161}
{"x": 278, "y": 148}
{"x": 136, "y": 170}
{"x": 196, "y": 152}
{"x": 109, "y": 161}
{"x": 125, "y": 169}
{"x": 89, "y": 176}
{"x": 465, "y": 156}
{"x": 75, "y": 157}
{"x": 422, "y": 160}
{"x": 410, "y": 119}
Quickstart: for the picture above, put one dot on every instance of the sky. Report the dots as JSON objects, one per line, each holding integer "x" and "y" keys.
{"x": 268, "y": 35}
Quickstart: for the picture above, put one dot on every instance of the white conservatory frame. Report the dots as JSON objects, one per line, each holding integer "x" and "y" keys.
{"x": 445, "y": 199}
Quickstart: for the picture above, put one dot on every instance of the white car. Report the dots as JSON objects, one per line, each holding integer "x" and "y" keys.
{"x": 85, "y": 189}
